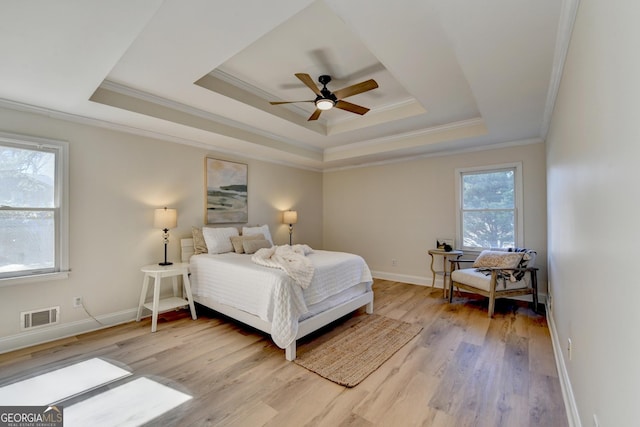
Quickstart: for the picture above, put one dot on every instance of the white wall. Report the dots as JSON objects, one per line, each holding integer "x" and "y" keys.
{"x": 116, "y": 181}
{"x": 398, "y": 210}
{"x": 593, "y": 175}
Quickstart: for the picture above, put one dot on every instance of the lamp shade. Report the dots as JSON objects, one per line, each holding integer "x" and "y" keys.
{"x": 290, "y": 217}
{"x": 165, "y": 218}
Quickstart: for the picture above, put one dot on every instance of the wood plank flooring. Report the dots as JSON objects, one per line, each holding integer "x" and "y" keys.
{"x": 463, "y": 369}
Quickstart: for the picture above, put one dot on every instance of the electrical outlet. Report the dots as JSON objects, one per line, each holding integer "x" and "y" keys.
{"x": 77, "y": 302}
{"x": 394, "y": 262}
{"x": 569, "y": 348}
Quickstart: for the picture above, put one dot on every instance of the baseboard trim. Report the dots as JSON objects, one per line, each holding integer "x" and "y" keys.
{"x": 406, "y": 278}
{"x": 65, "y": 330}
{"x": 426, "y": 281}
{"x": 565, "y": 383}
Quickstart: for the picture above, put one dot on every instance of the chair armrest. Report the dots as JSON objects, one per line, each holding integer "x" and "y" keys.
{"x": 509, "y": 269}
{"x": 456, "y": 263}
{"x": 461, "y": 260}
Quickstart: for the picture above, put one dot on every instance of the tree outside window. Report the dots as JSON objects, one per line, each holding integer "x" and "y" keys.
{"x": 488, "y": 208}
{"x": 32, "y": 230}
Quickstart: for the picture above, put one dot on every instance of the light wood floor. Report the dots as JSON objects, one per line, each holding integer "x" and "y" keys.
{"x": 463, "y": 369}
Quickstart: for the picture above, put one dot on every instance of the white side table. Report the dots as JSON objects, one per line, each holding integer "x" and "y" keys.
{"x": 157, "y": 305}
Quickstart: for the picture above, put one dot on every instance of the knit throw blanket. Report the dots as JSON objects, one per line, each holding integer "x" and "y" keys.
{"x": 291, "y": 259}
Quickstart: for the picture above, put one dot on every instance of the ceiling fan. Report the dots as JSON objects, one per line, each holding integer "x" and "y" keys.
{"x": 326, "y": 100}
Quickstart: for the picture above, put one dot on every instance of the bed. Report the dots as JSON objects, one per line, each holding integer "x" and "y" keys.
{"x": 266, "y": 298}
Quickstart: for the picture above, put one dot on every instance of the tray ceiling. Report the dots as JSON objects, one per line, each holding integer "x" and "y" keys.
{"x": 453, "y": 75}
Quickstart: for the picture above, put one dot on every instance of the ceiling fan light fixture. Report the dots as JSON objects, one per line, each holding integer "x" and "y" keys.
{"x": 326, "y": 100}
{"x": 324, "y": 104}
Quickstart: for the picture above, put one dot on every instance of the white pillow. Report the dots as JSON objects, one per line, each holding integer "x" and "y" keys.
{"x": 219, "y": 239}
{"x": 263, "y": 229}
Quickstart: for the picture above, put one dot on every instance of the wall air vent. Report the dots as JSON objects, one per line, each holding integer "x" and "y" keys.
{"x": 37, "y": 318}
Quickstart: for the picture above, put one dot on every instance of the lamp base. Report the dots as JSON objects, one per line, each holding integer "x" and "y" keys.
{"x": 165, "y": 250}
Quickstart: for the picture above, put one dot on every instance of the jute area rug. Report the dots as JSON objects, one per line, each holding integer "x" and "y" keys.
{"x": 351, "y": 356}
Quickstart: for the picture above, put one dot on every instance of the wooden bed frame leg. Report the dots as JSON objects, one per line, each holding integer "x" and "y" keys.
{"x": 290, "y": 352}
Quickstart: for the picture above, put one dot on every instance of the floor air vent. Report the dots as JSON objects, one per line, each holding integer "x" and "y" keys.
{"x": 37, "y": 318}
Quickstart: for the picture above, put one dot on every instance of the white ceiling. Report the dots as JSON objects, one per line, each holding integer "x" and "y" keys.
{"x": 453, "y": 74}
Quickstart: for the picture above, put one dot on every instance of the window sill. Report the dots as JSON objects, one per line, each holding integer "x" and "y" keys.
{"x": 474, "y": 251}
{"x": 11, "y": 281}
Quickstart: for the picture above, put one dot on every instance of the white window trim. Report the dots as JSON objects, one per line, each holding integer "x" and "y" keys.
{"x": 62, "y": 200}
{"x": 519, "y": 211}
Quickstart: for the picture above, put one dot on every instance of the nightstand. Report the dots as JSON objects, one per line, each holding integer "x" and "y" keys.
{"x": 157, "y": 305}
{"x": 445, "y": 273}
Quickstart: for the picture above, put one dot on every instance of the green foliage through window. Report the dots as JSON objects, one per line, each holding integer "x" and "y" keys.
{"x": 488, "y": 209}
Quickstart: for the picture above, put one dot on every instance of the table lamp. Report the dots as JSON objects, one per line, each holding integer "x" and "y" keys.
{"x": 290, "y": 217}
{"x": 165, "y": 219}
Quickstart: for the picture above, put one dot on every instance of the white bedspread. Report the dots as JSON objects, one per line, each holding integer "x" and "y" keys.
{"x": 269, "y": 293}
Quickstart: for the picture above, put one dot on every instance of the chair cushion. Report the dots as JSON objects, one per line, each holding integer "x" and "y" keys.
{"x": 480, "y": 280}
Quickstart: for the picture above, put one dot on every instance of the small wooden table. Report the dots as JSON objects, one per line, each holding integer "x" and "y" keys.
{"x": 444, "y": 272}
{"x": 157, "y": 305}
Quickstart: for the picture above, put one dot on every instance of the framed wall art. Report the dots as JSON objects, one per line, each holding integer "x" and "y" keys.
{"x": 226, "y": 192}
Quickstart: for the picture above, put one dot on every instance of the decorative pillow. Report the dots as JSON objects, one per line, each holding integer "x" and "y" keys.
{"x": 263, "y": 229}
{"x": 251, "y": 246}
{"x": 219, "y": 239}
{"x": 498, "y": 259}
{"x": 236, "y": 241}
{"x": 199, "y": 245}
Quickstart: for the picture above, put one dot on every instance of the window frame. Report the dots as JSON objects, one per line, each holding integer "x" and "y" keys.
{"x": 60, "y": 209}
{"x": 518, "y": 201}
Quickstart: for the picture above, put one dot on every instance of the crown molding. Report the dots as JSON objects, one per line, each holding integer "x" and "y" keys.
{"x": 173, "y": 105}
{"x": 103, "y": 124}
{"x": 413, "y": 157}
{"x": 567, "y": 19}
{"x": 413, "y": 134}
{"x": 254, "y": 90}
{"x": 289, "y": 112}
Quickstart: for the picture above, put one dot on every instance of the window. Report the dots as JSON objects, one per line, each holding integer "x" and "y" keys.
{"x": 33, "y": 208}
{"x": 489, "y": 211}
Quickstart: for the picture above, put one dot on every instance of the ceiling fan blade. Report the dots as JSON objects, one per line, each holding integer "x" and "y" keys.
{"x": 347, "y": 106}
{"x": 356, "y": 89}
{"x": 307, "y": 80}
{"x": 287, "y": 102}
{"x": 315, "y": 115}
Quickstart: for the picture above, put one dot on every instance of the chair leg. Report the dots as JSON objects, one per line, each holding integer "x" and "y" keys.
{"x": 492, "y": 293}
{"x": 534, "y": 285}
{"x": 492, "y": 305}
{"x": 450, "y": 290}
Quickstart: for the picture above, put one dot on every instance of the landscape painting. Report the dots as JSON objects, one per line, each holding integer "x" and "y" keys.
{"x": 226, "y": 192}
